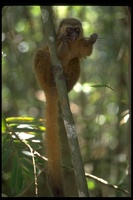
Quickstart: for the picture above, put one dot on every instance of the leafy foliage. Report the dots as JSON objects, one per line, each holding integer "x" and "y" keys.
{"x": 16, "y": 150}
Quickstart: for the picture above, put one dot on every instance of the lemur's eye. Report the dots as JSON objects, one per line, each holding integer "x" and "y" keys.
{"x": 69, "y": 29}
{"x": 77, "y": 29}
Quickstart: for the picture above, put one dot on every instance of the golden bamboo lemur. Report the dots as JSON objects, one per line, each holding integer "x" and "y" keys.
{"x": 71, "y": 46}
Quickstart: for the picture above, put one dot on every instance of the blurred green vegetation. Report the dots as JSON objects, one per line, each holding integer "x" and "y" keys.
{"x": 100, "y": 101}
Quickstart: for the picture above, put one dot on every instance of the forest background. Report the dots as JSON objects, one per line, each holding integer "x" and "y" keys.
{"x": 100, "y": 101}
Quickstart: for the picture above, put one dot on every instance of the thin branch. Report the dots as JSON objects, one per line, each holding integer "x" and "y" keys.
{"x": 33, "y": 161}
{"x": 27, "y": 187}
{"x": 25, "y": 142}
{"x": 100, "y": 180}
{"x": 35, "y": 173}
{"x": 33, "y": 153}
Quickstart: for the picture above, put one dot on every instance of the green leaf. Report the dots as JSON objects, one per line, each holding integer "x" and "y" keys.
{"x": 27, "y": 163}
{"x": 16, "y": 176}
{"x": 23, "y": 120}
{"x": 91, "y": 184}
{"x": 102, "y": 85}
{"x": 28, "y": 167}
{"x": 6, "y": 148}
{"x": 3, "y": 124}
{"x": 5, "y": 156}
{"x": 26, "y": 124}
